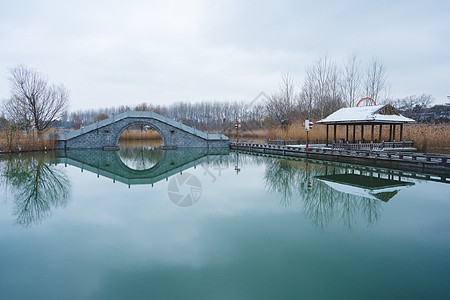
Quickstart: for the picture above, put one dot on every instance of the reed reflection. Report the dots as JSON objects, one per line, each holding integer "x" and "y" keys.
{"x": 35, "y": 185}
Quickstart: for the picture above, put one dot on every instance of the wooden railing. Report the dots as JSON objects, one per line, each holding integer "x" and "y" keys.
{"x": 296, "y": 142}
{"x": 373, "y": 146}
{"x": 419, "y": 159}
{"x": 347, "y": 146}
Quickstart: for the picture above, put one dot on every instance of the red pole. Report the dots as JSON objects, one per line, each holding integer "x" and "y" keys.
{"x": 307, "y": 140}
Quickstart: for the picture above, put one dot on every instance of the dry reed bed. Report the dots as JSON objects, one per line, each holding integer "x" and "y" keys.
{"x": 427, "y": 137}
{"x": 130, "y": 134}
{"x": 140, "y": 135}
{"x": 23, "y": 142}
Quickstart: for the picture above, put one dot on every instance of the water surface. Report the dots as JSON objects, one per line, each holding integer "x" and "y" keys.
{"x": 202, "y": 224}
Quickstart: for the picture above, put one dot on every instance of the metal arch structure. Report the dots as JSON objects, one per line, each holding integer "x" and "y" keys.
{"x": 366, "y": 99}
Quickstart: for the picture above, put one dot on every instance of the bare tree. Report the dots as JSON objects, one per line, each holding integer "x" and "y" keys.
{"x": 351, "y": 80}
{"x": 321, "y": 91}
{"x": 413, "y": 105}
{"x": 33, "y": 99}
{"x": 375, "y": 81}
{"x": 280, "y": 106}
{"x": 100, "y": 117}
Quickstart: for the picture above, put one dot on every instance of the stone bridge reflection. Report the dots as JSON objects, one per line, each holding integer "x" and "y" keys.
{"x": 109, "y": 164}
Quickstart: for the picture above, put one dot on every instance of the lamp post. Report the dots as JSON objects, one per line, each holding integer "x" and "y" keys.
{"x": 236, "y": 126}
{"x": 308, "y": 127}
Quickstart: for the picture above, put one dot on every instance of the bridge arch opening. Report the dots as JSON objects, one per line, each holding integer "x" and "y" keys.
{"x": 140, "y": 146}
{"x": 140, "y": 133}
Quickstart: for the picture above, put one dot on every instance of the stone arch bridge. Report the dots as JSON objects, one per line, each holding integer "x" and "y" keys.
{"x": 105, "y": 134}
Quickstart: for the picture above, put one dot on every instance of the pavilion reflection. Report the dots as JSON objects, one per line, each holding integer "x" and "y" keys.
{"x": 365, "y": 185}
{"x": 346, "y": 195}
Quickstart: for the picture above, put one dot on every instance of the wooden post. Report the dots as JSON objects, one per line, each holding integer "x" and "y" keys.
{"x": 362, "y": 133}
{"x": 335, "y": 133}
{"x": 390, "y": 132}
{"x": 354, "y": 133}
{"x": 393, "y": 132}
{"x": 346, "y": 136}
{"x": 373, "y": 128}
{"x": 381, "y": 130}
{"x": 401, "y": 132}
{"x": 327, "y": 137}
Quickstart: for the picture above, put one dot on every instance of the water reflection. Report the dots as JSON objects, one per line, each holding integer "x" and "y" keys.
{"x": 35, "y": 185}
{"x": 140, "y": 158}
{"x": 166, "y": 163}
{"x": 347, "y": 195}
{"x": 140, "y": 155}
{"x": 327, "y": 193}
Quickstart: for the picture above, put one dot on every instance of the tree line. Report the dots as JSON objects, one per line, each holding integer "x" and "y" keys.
{"x": 327, "y": 86}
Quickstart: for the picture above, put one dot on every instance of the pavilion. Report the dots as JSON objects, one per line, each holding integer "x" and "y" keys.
{"x": 371, "y": 116}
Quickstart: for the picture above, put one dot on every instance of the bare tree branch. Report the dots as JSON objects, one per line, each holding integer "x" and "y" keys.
{"x": 33, "y": 100}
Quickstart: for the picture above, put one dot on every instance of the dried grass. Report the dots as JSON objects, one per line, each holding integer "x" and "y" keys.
{"x": 433, "y": 138}
{"x": 427, "y": 137}
{"x": 14, "y": 141}
{"x": 140, "y": 135}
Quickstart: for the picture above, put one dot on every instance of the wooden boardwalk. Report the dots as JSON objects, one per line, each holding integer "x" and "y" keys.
{"x": 436, "y": 164}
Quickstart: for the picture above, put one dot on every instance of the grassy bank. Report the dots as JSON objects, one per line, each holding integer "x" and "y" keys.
{"x": 433, "y": 138}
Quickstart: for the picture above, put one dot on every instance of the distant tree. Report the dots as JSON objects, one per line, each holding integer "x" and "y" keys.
{"x": 159, "y": 111}
{"x": 142, "y": 107}
{"x": 76, "y": 121}
{"x": 375, "y": 81}
{"x": 280, "y": 106}
{"x": 101, "y": 117}
{"x": 412, "y": 105}
{"x": 33, "y": 99}
{"x": 321, "y": 90}
{"x": 351, "y": 80}
{"x": 122, "y": 108}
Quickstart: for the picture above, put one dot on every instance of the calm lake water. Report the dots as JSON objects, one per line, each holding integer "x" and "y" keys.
{"x": 144, "y": 223}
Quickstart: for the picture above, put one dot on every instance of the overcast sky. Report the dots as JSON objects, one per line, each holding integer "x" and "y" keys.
{"x": 111, "y": 53}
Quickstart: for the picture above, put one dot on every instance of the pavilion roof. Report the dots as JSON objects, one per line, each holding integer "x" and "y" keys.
{"x": 377, "y": 114}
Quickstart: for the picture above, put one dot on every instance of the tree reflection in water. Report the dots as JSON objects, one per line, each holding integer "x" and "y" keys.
{"x": 35, "y": 185}
{"x": 294, "y": 180}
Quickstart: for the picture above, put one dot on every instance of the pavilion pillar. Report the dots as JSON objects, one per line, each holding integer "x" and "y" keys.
{"x": 371, "y": 136}
{"x": 380, "y": 134}
{"x": 326, "y": 140}
{"x": 390, "y": 132}
{"x": 401, "y": 132}
{"x": 335, "y": 132}
{"x": 354, "y": 133}
{"x": 393, "y": 132}
{"x": 346, "y": 136}
{"x": 362, "y": 132}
